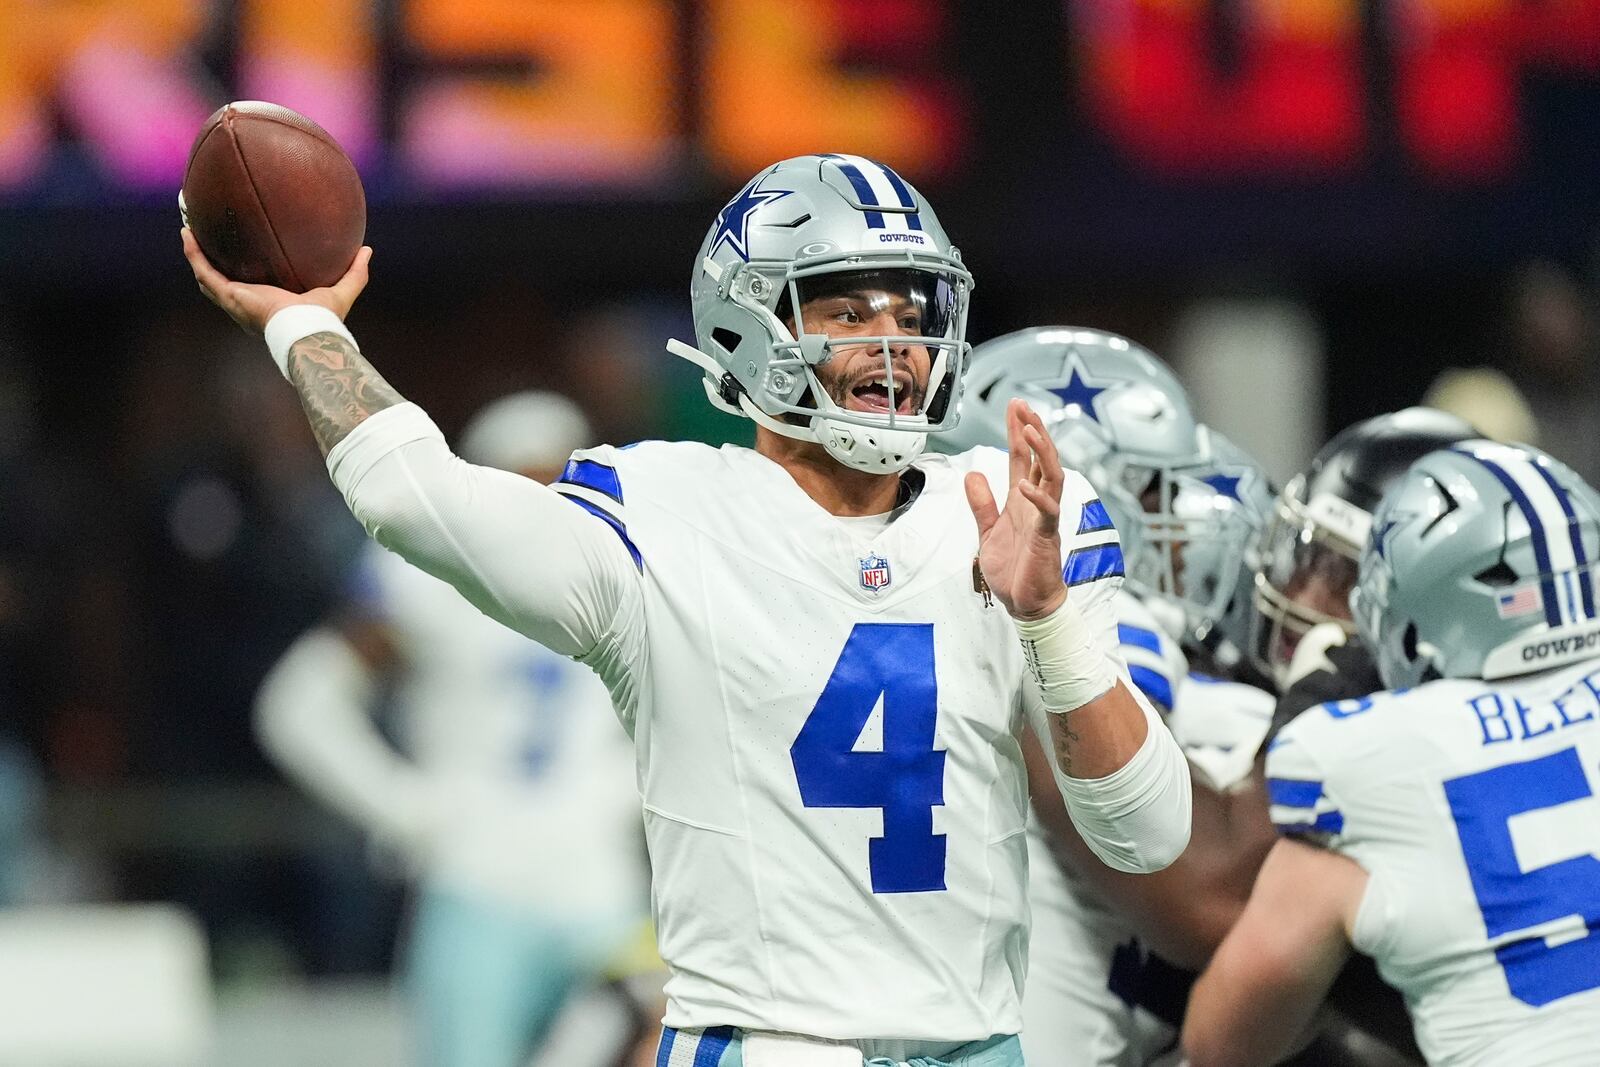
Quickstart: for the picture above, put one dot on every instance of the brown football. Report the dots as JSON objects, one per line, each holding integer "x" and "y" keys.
{"x": 272, "y": 198}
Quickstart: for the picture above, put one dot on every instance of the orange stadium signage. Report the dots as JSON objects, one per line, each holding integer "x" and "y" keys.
{"x": 452, "y": 94}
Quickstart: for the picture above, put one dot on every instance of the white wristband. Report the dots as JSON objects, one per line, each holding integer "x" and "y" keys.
{"x": 1065, "y": 660}
{"x": 298, "y": 321}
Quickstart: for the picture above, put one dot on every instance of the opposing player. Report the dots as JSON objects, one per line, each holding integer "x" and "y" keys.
{"x": 1308, "y": 561}
{"x": 815, "y": 645}
{"x": 1443, "y": 827}
{"x": 513, "y": 800}
{"x": 1189, "y": 507}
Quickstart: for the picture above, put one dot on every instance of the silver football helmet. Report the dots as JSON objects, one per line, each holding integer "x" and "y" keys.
{"x": 1188, "y": 505}
{"x": 1223, "y": 526}
{"x": 1480, "y": 565}
{"x": 814, "y": 227}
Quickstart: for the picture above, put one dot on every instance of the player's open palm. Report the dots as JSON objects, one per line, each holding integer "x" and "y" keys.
{"x": 252, "y": 305}
{"x": 1019, "y": 548}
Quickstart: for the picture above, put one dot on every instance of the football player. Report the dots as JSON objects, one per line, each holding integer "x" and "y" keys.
{"x": 1190, "y": 508}
{"x": 825, "y": 647}
{"x": 513, "y": 799}
{"x": 1446, "y": 827}
{"x": 1302, "y": 631}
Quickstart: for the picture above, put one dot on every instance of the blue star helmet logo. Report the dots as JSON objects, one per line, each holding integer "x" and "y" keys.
{"x": 1077, "y": 390}
{"x": 733, "y": 224}
{"x": 1225, "y": 484}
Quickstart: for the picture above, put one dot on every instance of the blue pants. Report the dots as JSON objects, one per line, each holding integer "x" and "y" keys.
{"x": 487, "y": 983}
{"x": 719, "y": 1046}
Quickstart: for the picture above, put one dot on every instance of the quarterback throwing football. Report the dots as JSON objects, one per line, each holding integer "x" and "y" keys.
{"x": 824, "y": 660}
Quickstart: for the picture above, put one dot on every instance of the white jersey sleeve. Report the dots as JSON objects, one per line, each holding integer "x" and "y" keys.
{"x": 1137, "y": 818}
{"x": 559, "y": 569}
{"x": 1155, "y": 662}
{"x": 1220, "y": 725}
{"x": 1471, "y": 806}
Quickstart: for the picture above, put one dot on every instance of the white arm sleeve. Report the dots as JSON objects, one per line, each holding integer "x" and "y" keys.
{"x": 313, "y": 717}
{"x": 1137, "y": 818}
{"x": 523, "y": 555}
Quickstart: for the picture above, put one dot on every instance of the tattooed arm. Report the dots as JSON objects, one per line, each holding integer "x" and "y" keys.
{"x": 513, "y": 547}
{"x": 338, "y": 387}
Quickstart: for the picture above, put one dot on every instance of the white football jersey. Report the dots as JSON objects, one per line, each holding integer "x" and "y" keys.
{"x": 826, "y": 714}
{"x": 1474, "y": 807}
{"x": 1220, "y": 725}
{"x": 536, "y": 777}
{"x": 1092, "y": 984}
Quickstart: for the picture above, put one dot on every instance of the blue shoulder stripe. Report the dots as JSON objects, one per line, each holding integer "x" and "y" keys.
{"x": 592, "y": 474}
{"x": 612, "y": 521}
{"x": 1293, "y": 792}
{"x": 1153, "y": 684}
{"x": 1138, "y": 637}
{"x": 1095, "y": 518}
{"x": 1093, "y": 563}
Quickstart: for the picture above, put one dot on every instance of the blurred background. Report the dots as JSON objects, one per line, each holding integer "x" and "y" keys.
{"x": 1318, "y": 210}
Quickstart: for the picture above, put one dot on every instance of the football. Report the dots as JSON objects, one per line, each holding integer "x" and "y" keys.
{"x": 272, "y": 198}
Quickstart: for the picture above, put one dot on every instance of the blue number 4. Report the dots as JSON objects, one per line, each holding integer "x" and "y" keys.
{"x": 906, "y": 779}
{"x": 1514, "y": 900}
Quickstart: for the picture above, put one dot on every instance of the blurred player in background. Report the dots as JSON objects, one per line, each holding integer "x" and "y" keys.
{"x": 1445, "y": 828}
{"x": 815, "y": 642}
{"x": 512, "y": 797}
{"x": 1189, "y": 507}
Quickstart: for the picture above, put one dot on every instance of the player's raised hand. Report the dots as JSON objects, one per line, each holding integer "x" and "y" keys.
{"x": 252, "y": 305}
{"x": 1019, "y": 549}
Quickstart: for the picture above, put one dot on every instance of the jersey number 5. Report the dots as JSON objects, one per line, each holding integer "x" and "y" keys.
{"x": 1512, "y": 899}
{"x": 894, "y": 662}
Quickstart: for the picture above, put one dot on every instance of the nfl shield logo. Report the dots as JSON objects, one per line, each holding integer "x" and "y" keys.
{"x": 874, "y": 574}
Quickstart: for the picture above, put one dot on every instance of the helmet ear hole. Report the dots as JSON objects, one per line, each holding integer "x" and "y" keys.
{"x": 1408, "y": 642}
{"x": 726, "y": 339}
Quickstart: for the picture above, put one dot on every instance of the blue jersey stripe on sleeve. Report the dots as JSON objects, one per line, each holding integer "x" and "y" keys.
{"x": 669, "y": 1037}
{"x": 593, "y": 475}
{"x": 1293, "y": 792}
{"x": 1153, "y": 684}
{"x": 612, "y": 521}
{"x": 1095, "y": 518}
{"x": 1093, "y": 563}
{"x": 1138, "y": 637}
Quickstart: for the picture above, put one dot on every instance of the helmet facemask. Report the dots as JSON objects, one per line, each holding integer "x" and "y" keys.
{"x": 809, "y": 402}
{"x": 1304, "y": 564}
{"x": 1187, "y": 547}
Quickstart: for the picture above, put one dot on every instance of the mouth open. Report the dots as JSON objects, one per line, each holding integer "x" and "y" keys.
{"x": 872, "y": 395}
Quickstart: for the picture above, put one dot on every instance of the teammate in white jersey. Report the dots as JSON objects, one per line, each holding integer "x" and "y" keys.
{"x": 1446, "y": 828}
{"x": 814, "y": 643}
{"x": 513, "y": 797}
{"x": 1189, "y": 506}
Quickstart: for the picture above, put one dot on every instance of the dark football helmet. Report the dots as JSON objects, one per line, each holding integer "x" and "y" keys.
{"x": 1310, "y": 558}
